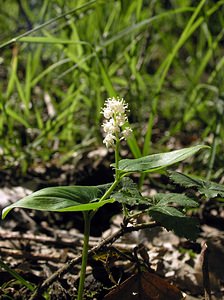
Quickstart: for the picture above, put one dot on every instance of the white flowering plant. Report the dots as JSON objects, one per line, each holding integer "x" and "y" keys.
{"x": 88, "y": 199}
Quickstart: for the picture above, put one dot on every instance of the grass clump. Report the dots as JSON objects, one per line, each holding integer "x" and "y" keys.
{"x": 61, "y": 61}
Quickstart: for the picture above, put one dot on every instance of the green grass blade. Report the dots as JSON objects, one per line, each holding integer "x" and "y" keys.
{"x": 22, "y": 96}
{"x": 51, "y": 40}
{"x": 17, "y": 276}
{"x": 49, "y": 70}
{"x": 17, "y": 117}
{"x": 106, "y": 79}
{"x": 12, "y": 78}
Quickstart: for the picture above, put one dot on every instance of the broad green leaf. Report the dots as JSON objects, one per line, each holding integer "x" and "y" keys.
{"x": 208, "y": 188}
{"x": 179, "y": 199}
{"x": 158, "y": 161}
{"x": 173, "y": 219}
{"x": 63, "y": 198}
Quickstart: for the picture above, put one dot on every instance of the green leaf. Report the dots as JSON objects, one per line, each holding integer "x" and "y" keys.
{"x": 63, "y": 198}
{"x": 17, "y": 117}
{"x": 106, "y": 79}
{"x": 208, "y": 188}
{"x": 16, "y": 275}
{"x": 173, "y": 219}
{"x": 158, "y": 161}
{"x": 128, "y": 193}
{"x": 50, "y": 40}
{"x": 185, "y": 180}
{"x": 179, "y": 199}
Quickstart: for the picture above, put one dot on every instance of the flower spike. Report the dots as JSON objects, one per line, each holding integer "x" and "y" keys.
{"x": 114, "y": 112}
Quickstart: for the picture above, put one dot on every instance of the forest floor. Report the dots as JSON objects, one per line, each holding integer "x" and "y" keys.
{"x": 45, "y": 248}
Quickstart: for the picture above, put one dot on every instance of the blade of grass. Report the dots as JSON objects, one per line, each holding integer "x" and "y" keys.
{"x": 12, "y": 78}
{"x": 48, "y": 70}
{"x": 22, "y": 96}
{"x": 17, "y": 117}
{"x": 28, "y": 78}
{"x": 51, "y": 40}
{"x": 106, "y": 79}
{"x": 17, "y": 276}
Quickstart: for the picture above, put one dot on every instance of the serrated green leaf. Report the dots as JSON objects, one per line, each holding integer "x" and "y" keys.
{"x": 179, "y": 199}
{"x": 172, "y": 219}
{"x": 185, "y": 180}
{"x": 63, "y": 198}
{"x": 167, "y": 210}
{"x": 211, "y": 189}
{"x": 208, "y": 188}
{"x": 158, "y": 161}
{"x": 128, "y": 193}
{"x": 127, "y": 198}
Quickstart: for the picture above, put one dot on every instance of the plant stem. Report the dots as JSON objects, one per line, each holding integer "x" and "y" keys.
{"x": 214, "y": 148}
{"x": 109, "y": 191}
{"x": 117, "y": 158}
{"x": 87, "y": 221}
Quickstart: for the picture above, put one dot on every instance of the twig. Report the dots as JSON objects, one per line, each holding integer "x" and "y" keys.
{"x": 109, "y": 240}
{"x": 61, "y": 241}
{"x": 205, "y": 271}
{"x": 34, "y": 257}
{"x": 67, "y": 241}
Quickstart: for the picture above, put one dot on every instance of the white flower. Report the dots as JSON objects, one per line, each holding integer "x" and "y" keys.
{"x": 121, "y": 119}
{"x": 110, "y": 126}
{"x": 118, "y": 105}
{"x": 126, "y": 132}
{"x": 114, "y": 112}
{"x": 114, "y": 106}
{"x": 109, "y": 140}
{"x": 107, "y": 112}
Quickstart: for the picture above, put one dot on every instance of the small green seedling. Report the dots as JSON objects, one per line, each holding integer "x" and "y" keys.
{"x": 89, "y": 199}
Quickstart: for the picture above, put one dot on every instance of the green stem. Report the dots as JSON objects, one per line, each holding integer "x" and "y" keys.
{"x": 117, "y": 172}
{"x": 214, "y": 148}
{"x": 117, "y": 158}
{"x": 87, "y": 221}
{"x": 110, "y": 190}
